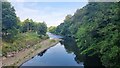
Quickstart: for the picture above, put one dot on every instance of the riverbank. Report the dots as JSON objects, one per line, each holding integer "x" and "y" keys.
{"x": 27, "y": 54}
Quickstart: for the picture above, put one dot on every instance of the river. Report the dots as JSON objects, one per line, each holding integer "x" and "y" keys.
{"x": 65, "y": 53}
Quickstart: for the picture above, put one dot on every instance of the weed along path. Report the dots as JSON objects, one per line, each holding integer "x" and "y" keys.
{"x": 26, "y": 54}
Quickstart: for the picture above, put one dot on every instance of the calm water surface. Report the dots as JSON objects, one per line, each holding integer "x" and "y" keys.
{"x": 65, "y": 53}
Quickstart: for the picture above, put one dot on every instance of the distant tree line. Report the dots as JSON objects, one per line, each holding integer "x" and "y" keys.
{"x": 52, "y": 29}
{"x": 11, "y": 24}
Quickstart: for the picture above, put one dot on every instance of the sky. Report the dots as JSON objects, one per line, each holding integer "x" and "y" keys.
{"x": 52, "y": 13}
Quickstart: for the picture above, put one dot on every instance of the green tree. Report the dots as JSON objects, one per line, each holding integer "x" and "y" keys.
{"x": 96, "y": 28}
{"x": 9, "y": 22}
{"x": 28, "y": 26}
{"x": 63, "y": 28}
{"x": 52, "y": 29}
{"x": 41, "y": 28}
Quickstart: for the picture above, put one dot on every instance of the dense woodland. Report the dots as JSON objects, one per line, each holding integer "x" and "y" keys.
{"x": 17, "y": 35}
{"x": 96, "y": 28}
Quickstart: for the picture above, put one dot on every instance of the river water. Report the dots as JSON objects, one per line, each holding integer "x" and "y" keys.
{"x": 65, "y": 53}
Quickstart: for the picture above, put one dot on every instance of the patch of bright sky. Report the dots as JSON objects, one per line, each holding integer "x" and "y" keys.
{"x": 48, "y": 0}
{"x": 53, "y": 13}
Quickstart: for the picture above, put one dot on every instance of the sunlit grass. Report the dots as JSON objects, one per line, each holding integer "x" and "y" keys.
{"x": 23, "y": 40}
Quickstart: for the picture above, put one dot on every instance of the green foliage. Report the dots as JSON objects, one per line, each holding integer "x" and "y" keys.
{"x": 51, "y": 29}
{"x": 101, "y": 36}
{"x": 23, "y": 40}
{"x": 31, "y": 26}
{"x": 41, "y": 29}
{"x": 52, "y": 40}
{"x": 63, "y": 27}
{"x": 17, "y": 35}
{"x": 96, "y": 28}
{"x": 28, "y": 25}
{"x": 9, "y": 22}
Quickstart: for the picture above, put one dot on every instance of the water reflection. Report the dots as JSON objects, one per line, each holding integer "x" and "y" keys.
{"x": 89, "y": 61}
{"x": 65, "y": 53}
{"x": 41, "y": 53}
{"x": 53, "y": 36}
{"x": 71, "y": 46}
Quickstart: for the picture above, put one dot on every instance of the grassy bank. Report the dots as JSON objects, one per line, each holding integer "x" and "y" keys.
{"x": 23, "y": 41}
{"x": 25, "y": 55}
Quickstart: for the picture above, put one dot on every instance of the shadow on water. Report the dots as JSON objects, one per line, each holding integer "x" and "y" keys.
{"x": 65, "y": 50}
{"x": 71, "y": 46}
{"x": 92, "y": 62}
{"x": 41, "y": 53}
{"x": 89, "y": 61}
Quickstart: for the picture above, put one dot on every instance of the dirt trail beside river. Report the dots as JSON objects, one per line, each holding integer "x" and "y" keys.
{"x": 23, "y": 56}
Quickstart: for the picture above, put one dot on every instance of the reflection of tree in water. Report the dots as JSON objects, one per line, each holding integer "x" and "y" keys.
{"x": 92, "y": 62}
{"x": 70, "y": 46}
{"x": 89, "y": 62}
{"x": 41, "y": 53}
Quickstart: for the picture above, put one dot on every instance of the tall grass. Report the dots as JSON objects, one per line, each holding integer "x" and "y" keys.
{"x": 23, "y": 40}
